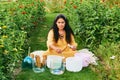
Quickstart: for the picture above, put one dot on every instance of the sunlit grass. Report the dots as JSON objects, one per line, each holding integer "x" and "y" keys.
{"x": 85, "y": 74}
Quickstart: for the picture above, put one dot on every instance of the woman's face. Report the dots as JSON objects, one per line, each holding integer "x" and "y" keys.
{"x": 60, "y": 23}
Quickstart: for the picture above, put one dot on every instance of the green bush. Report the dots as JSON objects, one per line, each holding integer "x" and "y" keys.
{"x": 97, "y": 27}
{"x": 55, "y": 6}
{"x": 27, "y": 14}
{"x": 16, "y": 21}
{"x": 109, "y": 59}
{"x": 94, "y": 21}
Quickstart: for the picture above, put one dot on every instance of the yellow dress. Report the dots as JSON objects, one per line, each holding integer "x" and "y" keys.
{"x": 62, "y": 44}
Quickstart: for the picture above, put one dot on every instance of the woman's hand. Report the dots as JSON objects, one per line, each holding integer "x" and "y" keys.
{"x": 58, "y": 50}
{"x": 72, "y": 47}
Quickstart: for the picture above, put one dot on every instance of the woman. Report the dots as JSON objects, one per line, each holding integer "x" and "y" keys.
{"x": 60, "y": 40}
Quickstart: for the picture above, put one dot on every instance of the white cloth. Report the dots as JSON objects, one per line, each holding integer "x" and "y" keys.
{"x": 87, "y": 57}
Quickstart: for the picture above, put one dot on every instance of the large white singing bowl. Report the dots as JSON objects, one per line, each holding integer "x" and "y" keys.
{"x": 73, "y": 64}
{"x": 52, "y": 60}
{"x": 55, "y": 64}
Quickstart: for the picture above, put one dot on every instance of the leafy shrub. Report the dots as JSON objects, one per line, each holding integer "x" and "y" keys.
{"x": 94, "y": 21}
{"x": 97, "y": 26}
{"x": 55, "y": 6}
{"x": 27, "y": 14}
{"x": 16, "y": 21}
{"x": 109, "y": 59}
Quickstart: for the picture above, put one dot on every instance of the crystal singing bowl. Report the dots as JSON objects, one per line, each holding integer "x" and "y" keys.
{"x": 36, "y": 68}
{"x": 55, "y": 64}
{"x": 73, "y": 64}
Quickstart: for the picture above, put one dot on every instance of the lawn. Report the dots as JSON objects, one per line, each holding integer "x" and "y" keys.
{"x": 37, "y": 41}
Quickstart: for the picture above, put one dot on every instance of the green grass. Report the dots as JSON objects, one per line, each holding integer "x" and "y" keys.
{"x": 38, "y": 42}
{"x": 84, "y": 74}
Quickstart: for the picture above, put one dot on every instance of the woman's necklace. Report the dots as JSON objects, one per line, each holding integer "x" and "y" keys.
{"x": 61, "y": 34}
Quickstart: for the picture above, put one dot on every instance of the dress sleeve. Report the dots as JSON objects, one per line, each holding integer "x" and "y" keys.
{"x": 73, "y": 41}
{"x": 50, "y": 38}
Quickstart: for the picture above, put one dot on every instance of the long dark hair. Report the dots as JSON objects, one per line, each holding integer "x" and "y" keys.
{"x": 67, "y": 29}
